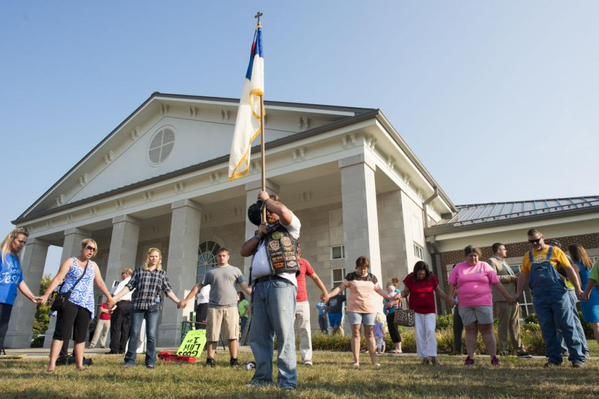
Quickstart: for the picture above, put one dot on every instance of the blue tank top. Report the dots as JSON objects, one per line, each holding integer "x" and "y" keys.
{"x": 83, "y": 293}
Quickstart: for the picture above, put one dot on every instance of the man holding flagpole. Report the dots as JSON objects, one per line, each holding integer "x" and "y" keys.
{"x": 273, "y": 246}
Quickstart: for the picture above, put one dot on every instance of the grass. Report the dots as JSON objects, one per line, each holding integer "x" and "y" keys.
{"x": 331, "y": 377}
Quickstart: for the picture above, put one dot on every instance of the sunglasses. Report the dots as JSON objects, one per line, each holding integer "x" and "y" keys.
{"x": 535, "y": 242}
{"x": 90, "y": 248}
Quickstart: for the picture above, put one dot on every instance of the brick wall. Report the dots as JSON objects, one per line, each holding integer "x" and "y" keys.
{"x": 516, "y": 249}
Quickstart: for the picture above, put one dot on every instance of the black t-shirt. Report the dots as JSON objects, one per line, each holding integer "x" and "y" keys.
{"x": 336, "y": 304}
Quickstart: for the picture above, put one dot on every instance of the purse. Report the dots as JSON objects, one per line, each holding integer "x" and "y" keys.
{"x": 61, "y": 298}
{"x": 404, "y": 317}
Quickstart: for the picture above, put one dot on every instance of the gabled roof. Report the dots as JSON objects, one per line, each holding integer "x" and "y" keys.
{"x": 31, "y": 212}
{"x": 348, "y": 116}
{"x": 497, "y": 213}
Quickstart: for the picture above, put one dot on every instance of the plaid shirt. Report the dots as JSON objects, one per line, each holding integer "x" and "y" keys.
{"x": 149, "y": 286}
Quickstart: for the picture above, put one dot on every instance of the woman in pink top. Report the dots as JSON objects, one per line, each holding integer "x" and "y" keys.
{"x": 474, "y": 280}
{"x": 362, "y": 306}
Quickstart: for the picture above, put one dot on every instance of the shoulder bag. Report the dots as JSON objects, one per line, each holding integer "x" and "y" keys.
{"x": 61, "y": 298}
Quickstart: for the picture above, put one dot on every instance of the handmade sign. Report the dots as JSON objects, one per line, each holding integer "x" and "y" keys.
{"x": 193, "y": 344}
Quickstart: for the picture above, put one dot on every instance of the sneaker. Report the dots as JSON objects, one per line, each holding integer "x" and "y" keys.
{"x": 550, "y": 365}
{"x": 129, "y": 365}
{"x": 150, "y": 366}
{"x": 495, "y": 361}
{"x": 233, "y": 363}
{"x": 578, "y": 364}
{"x": 308, "y": 363}
{"x": 469, "y": 362}
{"x": 210, "y": 362}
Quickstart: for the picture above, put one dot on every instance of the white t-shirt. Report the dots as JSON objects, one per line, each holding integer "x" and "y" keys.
{"x": 204, "y": 295}
{"x": 260, "y": 264}
{"x": 119, "y": 288}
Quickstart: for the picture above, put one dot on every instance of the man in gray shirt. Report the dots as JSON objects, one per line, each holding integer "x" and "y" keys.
{"x": 222, "y": 306}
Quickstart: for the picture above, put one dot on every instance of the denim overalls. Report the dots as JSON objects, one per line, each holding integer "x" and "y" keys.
{"x": 554, "y": 310}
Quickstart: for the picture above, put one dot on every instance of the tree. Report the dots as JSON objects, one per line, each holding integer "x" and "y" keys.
{"x": 42, "y": 315}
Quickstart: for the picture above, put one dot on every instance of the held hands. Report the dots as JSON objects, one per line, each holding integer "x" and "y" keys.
{"x": 42, "y": 300}
{"x": 181, "y": 304}
{"x": 325, "y": 297}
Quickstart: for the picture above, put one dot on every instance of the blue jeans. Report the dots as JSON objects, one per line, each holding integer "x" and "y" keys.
{"x": 151, "y": 316}
{"x": 553, "y": 313}
{"x": 273, "y": 312}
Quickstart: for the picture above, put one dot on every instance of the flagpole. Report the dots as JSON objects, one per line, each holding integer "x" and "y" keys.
{"x": 262, "y": 135}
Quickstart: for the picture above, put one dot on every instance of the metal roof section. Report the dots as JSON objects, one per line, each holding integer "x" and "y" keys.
{"x": 497, "y": 213}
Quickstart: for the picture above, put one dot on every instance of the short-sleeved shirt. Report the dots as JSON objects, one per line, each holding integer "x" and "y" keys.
{"x": 422, "y": 293}
{"x": 336, "y": 304}
{"x": 11, "y": 276}
{"x": 243, "y": 307}
{"x": 305, "y": 270}
{"x": 474, "y": 284}
{"x": 149, "y": 286}
{"x": 260, "y": 263}
{"x": 559, "y": 258}
{"x": 204, "y": 295}
{"x": 363, "y": 298}
{"x": 222, "y": 280}
{"x": 104, "y": 315}
{"x": 595, "y": 273}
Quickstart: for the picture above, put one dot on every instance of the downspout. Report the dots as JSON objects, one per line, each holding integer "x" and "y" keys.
{"x": 438, "y": 270}
{"x": 425, "y": 204}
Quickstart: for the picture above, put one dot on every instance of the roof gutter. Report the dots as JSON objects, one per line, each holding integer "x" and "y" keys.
{"x": 425, "y": 204}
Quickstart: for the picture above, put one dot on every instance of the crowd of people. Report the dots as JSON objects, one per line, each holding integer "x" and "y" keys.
{"x": 480, "y": 292}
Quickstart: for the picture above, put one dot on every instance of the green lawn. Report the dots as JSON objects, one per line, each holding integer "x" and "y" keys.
{"x": 331, "y": 377}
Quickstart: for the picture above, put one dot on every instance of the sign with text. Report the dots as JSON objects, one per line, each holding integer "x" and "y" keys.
{"x": 193, "y": 344}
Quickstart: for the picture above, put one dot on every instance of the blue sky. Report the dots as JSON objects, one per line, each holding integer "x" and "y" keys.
{"x": 497, "y": 98}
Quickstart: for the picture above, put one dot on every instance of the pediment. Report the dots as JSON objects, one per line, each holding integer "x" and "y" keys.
{"x": 169, "y": 133}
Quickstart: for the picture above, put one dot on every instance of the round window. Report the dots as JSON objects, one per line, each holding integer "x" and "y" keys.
{"x": 161, "y": 146}
{"x": 206, "y": 259}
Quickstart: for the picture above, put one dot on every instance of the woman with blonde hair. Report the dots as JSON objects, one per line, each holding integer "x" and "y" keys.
{"x": 11, "y": 278}
{"x": 589, "y": 277}
{"x": 149, "y": 283}
{"x": 77, "y": 276}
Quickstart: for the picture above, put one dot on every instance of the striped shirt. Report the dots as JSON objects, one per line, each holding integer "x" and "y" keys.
{"x": 149, "y": 286}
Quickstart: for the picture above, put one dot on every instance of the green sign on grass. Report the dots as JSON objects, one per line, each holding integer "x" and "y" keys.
{"x": 193, "y": 344}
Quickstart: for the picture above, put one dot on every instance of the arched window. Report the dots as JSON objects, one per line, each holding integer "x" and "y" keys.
{"x": 206, "y": 258}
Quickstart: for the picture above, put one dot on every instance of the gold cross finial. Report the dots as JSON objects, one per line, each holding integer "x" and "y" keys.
{"x": 258, "y": 16}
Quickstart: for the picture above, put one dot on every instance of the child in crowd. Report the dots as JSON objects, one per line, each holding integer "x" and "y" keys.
{"x": 379, "y": 333}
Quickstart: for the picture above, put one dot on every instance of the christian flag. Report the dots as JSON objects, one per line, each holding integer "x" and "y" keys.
{"x": 247, "y": 125}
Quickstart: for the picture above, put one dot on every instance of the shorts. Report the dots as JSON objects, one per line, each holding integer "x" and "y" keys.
{"x": 480, "y": 315}
{"x": 228, "y": 318}
{"x": 366, "y": 319}
{"x": 335, "y": 320}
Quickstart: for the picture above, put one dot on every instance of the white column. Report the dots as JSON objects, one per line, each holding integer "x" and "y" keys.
{"x": 181, "y": 265}
{"x": 72, "y": 243}
{"x": 360, "y": 219}
{"x": 23, "y": 311}
{"x": 71, "y": 247}
{"x": 123, "y": 247}
{"x": 251, "y": 196}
